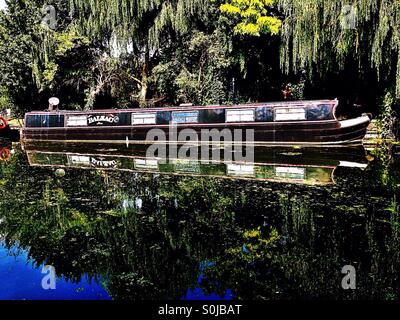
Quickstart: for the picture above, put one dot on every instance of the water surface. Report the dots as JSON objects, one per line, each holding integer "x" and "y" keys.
{"x": 115, "y": 225}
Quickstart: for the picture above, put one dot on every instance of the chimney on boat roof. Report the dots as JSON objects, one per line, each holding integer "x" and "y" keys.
{"x": 53, "y": 102}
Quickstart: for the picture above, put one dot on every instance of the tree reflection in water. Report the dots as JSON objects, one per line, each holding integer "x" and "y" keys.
{"x": 145, "y": 235}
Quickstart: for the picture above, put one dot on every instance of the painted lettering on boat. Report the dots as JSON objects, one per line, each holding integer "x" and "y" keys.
{"x": 102, "y": 119}
{"x": 103, "y": 163}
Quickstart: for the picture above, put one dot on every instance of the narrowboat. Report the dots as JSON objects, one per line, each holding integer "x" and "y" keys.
{"x": 307, "y": 166}
{"x": 304, "y": 123}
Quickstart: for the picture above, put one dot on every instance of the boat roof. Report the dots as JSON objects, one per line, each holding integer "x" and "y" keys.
{"x": 291, "y": 104}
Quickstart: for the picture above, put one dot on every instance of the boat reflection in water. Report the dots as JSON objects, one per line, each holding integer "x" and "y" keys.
{"x": 304, "y": 166}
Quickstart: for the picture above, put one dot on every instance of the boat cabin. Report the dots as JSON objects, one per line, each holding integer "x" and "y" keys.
{"x": 267, "y": 113}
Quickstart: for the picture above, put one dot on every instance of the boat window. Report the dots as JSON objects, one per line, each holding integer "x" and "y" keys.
{"x": 320, "y": 112}
{"x": 77, "y": 121}
{"x": 44, "y": 121}
{"x": 264, "y": 114}
{"x": 212, "y": 116}
{"x": 290, "y": 114}
{"x": 33, "y": 121}
{"x": 185, "y": 116}
{"x": 163, "y": 117}
{"x": 240, "y": 115}
{"x": 144, "y": 118}
{"x": 56, "y": 121}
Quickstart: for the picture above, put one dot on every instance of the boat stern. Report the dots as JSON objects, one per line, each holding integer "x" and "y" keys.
{"x": 362, "y": 121}
{"x": 354, "y": 130}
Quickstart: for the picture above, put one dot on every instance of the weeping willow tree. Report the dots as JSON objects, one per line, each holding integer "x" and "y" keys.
{"x": 143, "y": 26}
{"x": 323, "y": 35}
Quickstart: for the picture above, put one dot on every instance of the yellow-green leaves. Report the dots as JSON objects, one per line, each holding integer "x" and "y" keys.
{"x": 252, "y": 17}
{"x": 231, "y": 9}
{"x": 270, "y": 24}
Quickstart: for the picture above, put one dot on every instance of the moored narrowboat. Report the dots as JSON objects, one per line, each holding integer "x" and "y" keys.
{"x": 281, "y": 123}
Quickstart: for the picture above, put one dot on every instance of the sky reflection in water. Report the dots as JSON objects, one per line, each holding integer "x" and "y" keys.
{"x": 20, "y": 280}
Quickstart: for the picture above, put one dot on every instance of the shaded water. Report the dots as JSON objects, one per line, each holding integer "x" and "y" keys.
{"x": 116, "y": 225}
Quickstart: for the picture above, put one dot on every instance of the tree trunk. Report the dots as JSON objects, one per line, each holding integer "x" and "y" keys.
{"x": 144, "y": 80}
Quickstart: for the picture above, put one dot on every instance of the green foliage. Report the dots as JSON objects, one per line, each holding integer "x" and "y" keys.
{"x": 198, "y": 71}
{"x": 52, "y": 52}
{"x": 394, "y": 210}
{"x": 386, "y": 162}
{"x": 183, "y": 50}
{"x": 145, "y": 26}
{"x": 252, "y": 17}
{"x": 17, "y": 31}
{"x": 39, "y": 62}
{"x": 317, "y": 38}
{"x": 5, "y": 101}
{"x": 104, "y": 19}
{"x": 256, "y": 247}
{"x": 388, "y": 121}
{"x": 129, "y": 53}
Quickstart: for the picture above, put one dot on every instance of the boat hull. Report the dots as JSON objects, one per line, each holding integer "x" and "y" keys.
{"x": 10, "y": 133}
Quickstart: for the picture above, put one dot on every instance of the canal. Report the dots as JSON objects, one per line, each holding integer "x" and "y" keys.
{"x": 96, "y": 222}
